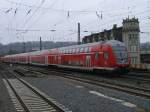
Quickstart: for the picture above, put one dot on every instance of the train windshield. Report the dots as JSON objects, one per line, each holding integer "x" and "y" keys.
{"x": 121, "y": 54}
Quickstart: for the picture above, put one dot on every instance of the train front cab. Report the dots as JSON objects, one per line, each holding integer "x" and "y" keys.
{"x": 122, "y": 60}
{"x": 103, "y": 60}
{"x": 113, "y": 59}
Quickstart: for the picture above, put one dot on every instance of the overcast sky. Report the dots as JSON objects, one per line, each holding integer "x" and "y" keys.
{"x": 56, "y": 20}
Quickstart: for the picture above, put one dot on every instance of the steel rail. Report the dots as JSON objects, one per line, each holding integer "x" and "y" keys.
{"x": 51, "y": 102}
{"x": 121, "y": 87}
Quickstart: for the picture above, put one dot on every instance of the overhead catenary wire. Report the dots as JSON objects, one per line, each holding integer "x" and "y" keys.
{"x": 39, "y": 30}
{"x": 69, "y": 16}
{"x": 47, "y": 8}
{"x": 120, "y": 17}
{"x": 34, "y": 12}
{"x": 67, "y": 11}
{"x": 37, "y": 19}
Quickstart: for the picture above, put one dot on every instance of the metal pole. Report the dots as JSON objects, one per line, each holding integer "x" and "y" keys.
{"x": 79, "y": 34}
{"x": 40, "y": 43}
{"x": 24, "y": 46}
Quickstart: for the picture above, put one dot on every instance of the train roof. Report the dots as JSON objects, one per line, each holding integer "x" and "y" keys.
{"x": 107, "y": 42}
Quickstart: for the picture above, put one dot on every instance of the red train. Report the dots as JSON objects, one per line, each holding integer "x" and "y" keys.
{"x": 109, "y": 55}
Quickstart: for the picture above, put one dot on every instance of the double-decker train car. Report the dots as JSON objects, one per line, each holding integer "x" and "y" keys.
{"x": 108, "y": 55}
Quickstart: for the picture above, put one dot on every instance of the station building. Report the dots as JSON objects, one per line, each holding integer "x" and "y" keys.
{"x": 129, "y": 33}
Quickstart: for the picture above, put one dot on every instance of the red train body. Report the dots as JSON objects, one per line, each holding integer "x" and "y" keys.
{"x": 104, "y": 56}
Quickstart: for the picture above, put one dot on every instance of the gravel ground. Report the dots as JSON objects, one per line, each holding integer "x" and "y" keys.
{"x": 6, "y": 104}
{"x": 80, "y": 97}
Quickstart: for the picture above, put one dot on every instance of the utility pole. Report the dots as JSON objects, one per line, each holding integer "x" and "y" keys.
{"x": 24, "y": 47}
{"x": 79, "y": 34}
{"x": 40, "y": 43}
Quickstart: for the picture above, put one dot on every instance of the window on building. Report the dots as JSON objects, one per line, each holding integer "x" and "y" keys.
{"x": 133, "y": 60}
{"x": 135, "y": 48}
{"x": 130, "y": 36}
{"x": 130, "y": 48}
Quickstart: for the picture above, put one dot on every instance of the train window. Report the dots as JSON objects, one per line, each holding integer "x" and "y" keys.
{"x": 120, "y": 48}
{"x": 66, "y": 51}
{"x": 106, "y": 55}
{"x": 73, "y": 51}
{"x": 96, "y": 55}
{"x": 81, "y": 50}
{"x": 70, "y": 51}
{"x": 87, "y": 50}
{"x": 63, "y": 51}
{"x": 77, "y": 50}
{"x": 122, "y": 54}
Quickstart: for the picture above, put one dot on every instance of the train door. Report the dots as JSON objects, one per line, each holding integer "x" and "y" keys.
{"x": 55, "y": 59}
{"x": 96, "y": 59}
{"x": 46, "y": 60}
{"x": 59, "y": 59}
{"x": 106, "y": 57}
{"x": 88, "y": 61}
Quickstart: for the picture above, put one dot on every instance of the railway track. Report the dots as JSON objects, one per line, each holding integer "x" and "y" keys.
{"x": 145, "y": 93}
{"x": 138, "y": 77}
{"x": 132, "y": 77}
{"x": 141, "y": 75}
{"x": 30, "y": 98}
